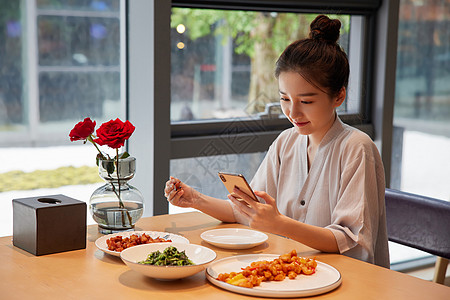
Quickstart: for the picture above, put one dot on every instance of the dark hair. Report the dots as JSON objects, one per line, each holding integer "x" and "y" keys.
{"x": 318, "y": 58}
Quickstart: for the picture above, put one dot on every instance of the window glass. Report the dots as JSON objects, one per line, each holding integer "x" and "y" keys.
{"x": 58, "y": 65}
{"x": 201, "y": 172}
{"x": 60, "y": 62}
{"x": 77, "y": 41}
{"x": 223, "y": 60}
{"x": 74, "y": 95}
{"x": 79, "y": 65}
{"x": 11, "y": 72}
{"x": 421, "y": 142}
{"x": 88, "y": 5}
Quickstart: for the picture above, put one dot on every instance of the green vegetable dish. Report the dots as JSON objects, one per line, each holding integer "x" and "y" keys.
{"x": 169, "y": 257}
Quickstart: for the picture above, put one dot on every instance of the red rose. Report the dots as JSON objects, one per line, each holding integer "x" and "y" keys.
{"x": 114, "y": 133}
{"x": 82, "y": 130}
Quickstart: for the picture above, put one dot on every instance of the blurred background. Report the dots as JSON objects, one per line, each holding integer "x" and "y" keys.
{"x": 62, "y": 61}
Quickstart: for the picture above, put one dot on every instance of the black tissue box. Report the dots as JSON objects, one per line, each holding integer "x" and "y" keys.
{"x": 49, "y": 224}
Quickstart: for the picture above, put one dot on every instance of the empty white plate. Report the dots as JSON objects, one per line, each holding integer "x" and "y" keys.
{"x": 234, "y": 238}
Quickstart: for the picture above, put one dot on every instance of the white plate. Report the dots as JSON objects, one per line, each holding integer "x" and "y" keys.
{"x": 234, "y": 238}
{"x": 101, "y": 242}
{"x": 325, "y": 279}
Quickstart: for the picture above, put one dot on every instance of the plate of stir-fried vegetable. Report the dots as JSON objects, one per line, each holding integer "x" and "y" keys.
{"x": 168, "y": 261}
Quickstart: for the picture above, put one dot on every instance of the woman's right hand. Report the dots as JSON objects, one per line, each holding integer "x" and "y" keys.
{"x": 180, "y": 194}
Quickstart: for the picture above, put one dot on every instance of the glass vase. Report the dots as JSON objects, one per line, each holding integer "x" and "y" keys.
{"x": 116, "y": 206}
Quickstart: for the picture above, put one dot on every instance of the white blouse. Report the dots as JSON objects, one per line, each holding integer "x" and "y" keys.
{"x": 344, "y": 190}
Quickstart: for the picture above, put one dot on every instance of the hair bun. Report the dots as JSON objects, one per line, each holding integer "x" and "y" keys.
{"x": 325, "y": 29}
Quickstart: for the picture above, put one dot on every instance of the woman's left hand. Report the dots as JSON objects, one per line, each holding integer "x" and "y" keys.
{"x": 261, "y": 216}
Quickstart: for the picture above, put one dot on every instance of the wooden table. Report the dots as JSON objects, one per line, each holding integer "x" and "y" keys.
{"x": 91, "y": 274}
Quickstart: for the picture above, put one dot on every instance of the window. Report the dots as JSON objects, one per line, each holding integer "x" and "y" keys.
{"x": 60, "y": 61}
{"x": 421, "y": 143}
{"x": 223, "y": 61}
{"x": 224, "y": 96}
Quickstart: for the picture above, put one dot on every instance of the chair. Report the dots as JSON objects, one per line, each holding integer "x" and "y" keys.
{"x": 422, "y": 223}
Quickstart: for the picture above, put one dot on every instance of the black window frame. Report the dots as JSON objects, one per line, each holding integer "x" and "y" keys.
{"x": 194, "y": 135}
{"x": 148, "y": 86}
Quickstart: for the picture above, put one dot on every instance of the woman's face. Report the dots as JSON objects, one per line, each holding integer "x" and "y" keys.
{"x": 307, "y": 107}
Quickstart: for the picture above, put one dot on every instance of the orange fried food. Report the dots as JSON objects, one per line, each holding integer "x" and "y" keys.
{"x": 287, "y": 265}
{"x": 119, "y": 243}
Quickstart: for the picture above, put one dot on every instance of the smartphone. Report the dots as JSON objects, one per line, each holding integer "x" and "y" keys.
{"x": 231, "y": 180}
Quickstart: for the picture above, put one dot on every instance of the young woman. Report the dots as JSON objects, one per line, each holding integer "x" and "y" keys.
{"x": 322, "y": 181}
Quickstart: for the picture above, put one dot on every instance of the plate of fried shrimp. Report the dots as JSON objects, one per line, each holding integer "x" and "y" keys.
{"x": 272, "y": 275}
{"x": 115, "y": 243}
